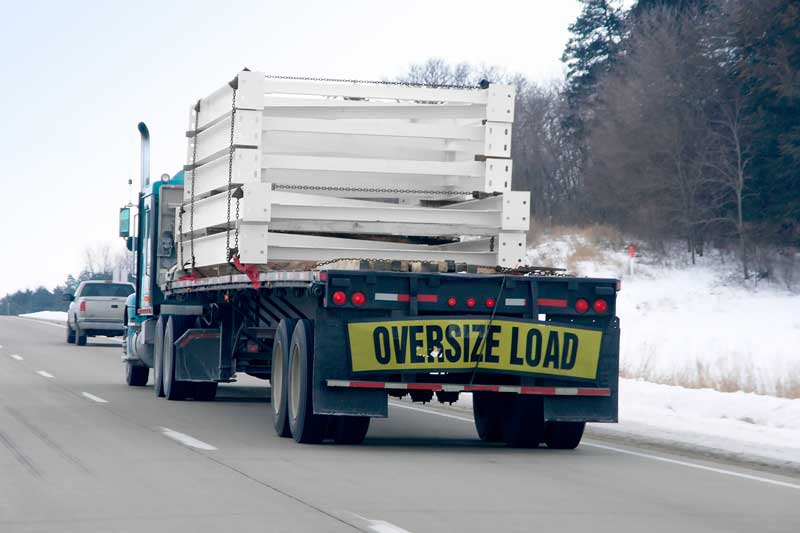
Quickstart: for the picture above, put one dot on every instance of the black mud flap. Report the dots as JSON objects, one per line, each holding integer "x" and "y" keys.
{"x": 197, "y": 355}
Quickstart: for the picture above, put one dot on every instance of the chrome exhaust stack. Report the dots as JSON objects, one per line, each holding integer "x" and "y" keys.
{"x": 145, "y": 158}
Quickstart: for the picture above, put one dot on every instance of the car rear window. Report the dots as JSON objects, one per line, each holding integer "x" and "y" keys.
{"x": 107, "y": 289}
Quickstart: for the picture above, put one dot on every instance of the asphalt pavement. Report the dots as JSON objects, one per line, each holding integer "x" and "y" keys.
{"x": 81, "y": 451}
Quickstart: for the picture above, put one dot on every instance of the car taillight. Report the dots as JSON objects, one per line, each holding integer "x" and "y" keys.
{"x": 581, "y": 305}
{"x": 470, "y": 302}
{"x": 490, "y": 302}
{"x": 82, "y": 307}
{"x": 358, "y": 298}
{"x": 339, "y": 298}
{"x": 452, "y": 302}
{"x": 600, "y": 306}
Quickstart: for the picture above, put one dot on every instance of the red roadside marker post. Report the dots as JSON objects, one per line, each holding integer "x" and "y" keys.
{"x": 632, "y": 252}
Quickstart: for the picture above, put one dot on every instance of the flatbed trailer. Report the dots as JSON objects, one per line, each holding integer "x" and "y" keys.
{"x": 339, "y": 335}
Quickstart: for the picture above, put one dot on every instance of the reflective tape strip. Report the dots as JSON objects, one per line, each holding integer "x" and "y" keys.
{"x": 516, "y": 301}
{"x": 450, "y": 387}
{"x": 386, "y": 297}
{"x": 552, "y": 302}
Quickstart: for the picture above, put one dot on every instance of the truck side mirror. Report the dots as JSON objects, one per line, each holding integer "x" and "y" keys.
{"x": 129, "y": 244}
{"x": 67, "y": 296}
{"x": 125, "y": 222}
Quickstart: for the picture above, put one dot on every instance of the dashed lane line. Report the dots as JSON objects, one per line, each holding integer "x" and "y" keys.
{"x": 94, "y": 398}
{"x": 45, "y": 374}
{"x": 16, "y": 356}
{"x": 187, "y": 440}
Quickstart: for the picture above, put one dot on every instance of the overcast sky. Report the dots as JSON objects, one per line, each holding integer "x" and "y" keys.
{"x": 78, "y": 76}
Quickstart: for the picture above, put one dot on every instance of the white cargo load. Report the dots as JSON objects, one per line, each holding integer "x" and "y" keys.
{"x": 283, "y": 169}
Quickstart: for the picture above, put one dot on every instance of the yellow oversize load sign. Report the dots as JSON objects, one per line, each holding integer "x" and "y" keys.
{"x": 447, "y": 344}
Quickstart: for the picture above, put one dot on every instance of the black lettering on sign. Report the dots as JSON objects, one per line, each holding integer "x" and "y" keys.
{"x": 570, "y": 353}
{"x": 466, "y": 342}
{"x": 434, "y": 337}
{"x": 383, "y": 347}
{"x": 552, "y": 352}
{"x": 416, "y": 344}
{"x": 480, "y": 329}
{"x": 492, "y": 343}
{"x": 451, "y": 332}
{"x": 400, "y": 340}
{"x": 533, "y": 347}
{"x": 515, "y": 358}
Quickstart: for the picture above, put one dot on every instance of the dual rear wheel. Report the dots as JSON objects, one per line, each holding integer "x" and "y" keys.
{"x": 518, "y": 420}
{"x": 168, "y": 330}
{"x": 292, "y": 391}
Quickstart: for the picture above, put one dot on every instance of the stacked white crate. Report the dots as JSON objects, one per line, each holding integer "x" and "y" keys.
{"x": 312, "y": 158}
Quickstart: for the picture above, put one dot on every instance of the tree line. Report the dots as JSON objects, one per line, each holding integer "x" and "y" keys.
{"x": 678, "y": 119}
{"x": 101, "y": 262}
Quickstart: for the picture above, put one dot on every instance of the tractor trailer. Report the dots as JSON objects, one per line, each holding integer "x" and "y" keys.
{"x": 352, "y": 242}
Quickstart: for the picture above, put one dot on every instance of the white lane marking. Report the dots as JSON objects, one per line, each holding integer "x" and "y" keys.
{"x": 40, "y": 321}
{"x": 187, "y": 440}
{"x": 380, "y": 526}
{"x": 45, "y": 374}
{"x": 637, "y": 454}
{"x": 429, "y": 411}
{"x": 16, "y": 356}
{"x": 1, "y": 346}
{"x": 94, "y": 398}
{"x": 695, "y": 465}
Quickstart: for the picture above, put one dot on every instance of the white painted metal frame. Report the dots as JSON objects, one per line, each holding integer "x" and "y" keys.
{"x": 355, "y": 159}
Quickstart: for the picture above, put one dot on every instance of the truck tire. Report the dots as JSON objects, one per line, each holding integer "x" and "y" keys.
{"x": 158, "y": 358}
{"x": 306, "y": 427}
{"x": 204, "y": 391}
{"x": 80, "y": 336}
{"x": 488, "y": 410}
{"x": 524, "y": 425}
{"x": 70, "y": 334}
{"x": 136, "y": 376}
{"x": 280, "y": 369}
{"x": 173, "y": 389}
{"x": 350, "y": 429}
{"x": 563, "y": 435}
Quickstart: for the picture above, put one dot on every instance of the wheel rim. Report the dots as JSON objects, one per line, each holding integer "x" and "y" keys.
{"x": 277, "y": 376}
{"x": 295, "y": 379}
{"x": 166, "y": 360}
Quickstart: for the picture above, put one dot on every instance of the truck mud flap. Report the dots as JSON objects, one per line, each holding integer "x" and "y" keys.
{"x": 197, "y": 355}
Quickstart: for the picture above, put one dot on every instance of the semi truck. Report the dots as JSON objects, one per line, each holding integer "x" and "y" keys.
{"x": 355, "y": 241}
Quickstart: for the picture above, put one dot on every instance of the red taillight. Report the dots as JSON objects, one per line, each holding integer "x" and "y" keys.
{"x": 581, "y": 305}
{"x": 452, "y": 302}
{"x": 82, "y": 307}
{"x": 470, "y": 302}
{"x": 358, "y": 298}
{"x": 600, "y": 306}
{"x": 339, "y": 298}
{"x": 490, "y": 302}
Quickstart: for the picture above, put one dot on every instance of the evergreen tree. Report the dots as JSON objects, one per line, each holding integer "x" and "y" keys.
{"x": 767, "y": 46}
{"x": 589, "y": 55}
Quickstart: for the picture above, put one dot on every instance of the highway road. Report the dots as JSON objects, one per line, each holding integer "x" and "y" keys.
{"x": 81, "y": 451}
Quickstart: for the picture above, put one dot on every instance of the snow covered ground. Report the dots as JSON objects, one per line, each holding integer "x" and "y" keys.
{"x": 692, "y": 325}
{"x": 50, "y": 316}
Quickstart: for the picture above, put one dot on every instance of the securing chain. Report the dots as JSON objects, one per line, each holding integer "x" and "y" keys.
{"x": 231, "y": 253}
{"x": 482, "y": 85}
{"x": 368, "y": 189}
{"x": 180, "y": 233}
{"x": 191, "y": 209}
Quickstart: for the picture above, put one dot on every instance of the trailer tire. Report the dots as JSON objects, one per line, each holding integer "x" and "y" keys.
{"x": 136, "y": 376}
{"x": 158, "y": 358}
{"x": 488, "y": 410}
{"x": 563, "y": 435}
{"x": 70, "y": 334}
{"x": 524, "y": 425}
{"x": 80, "y": 336}
{"x": 205, "y": 391}
{"x": 350, "y": 429}
{"x": 307, "y": 428}
{"x": 173, "y": 389}
{"x": 278, "y": 377}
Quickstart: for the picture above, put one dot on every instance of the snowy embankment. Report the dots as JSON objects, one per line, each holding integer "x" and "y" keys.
{"x": 696, "y": 347}
{"x": 50, "y": 316}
